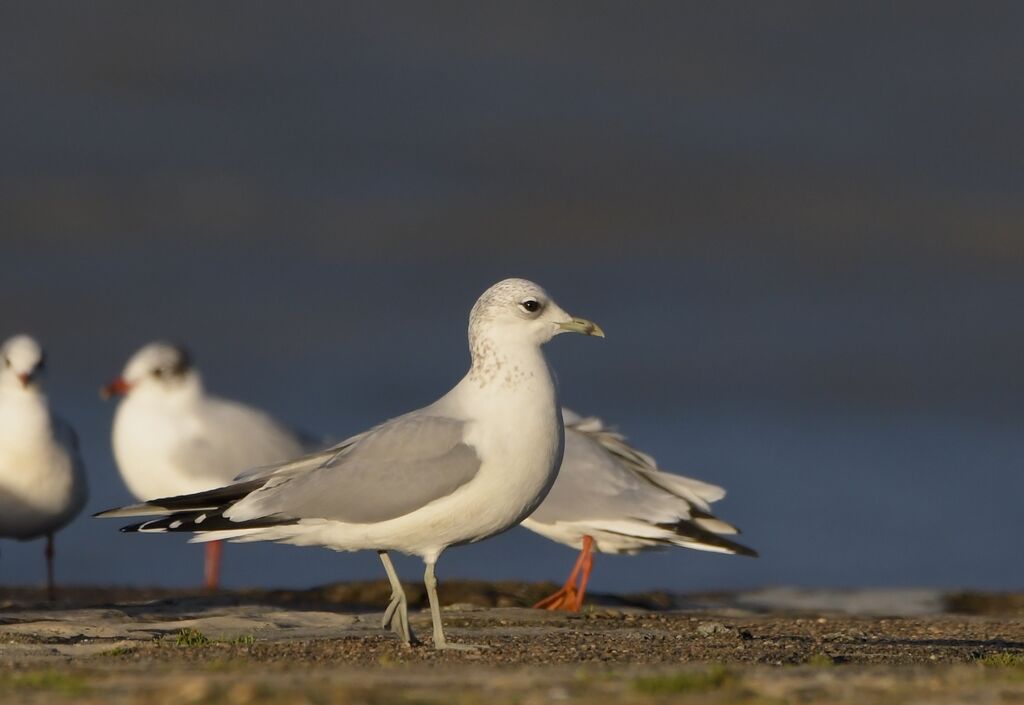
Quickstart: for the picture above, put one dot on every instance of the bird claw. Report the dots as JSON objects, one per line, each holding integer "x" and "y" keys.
{"x": 396, "y": 619}
{"x": 564, "y": 600}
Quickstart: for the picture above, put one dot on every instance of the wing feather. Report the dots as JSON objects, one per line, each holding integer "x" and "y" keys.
{"x": 607, "y": 485}
{"x": 389, "y": 471}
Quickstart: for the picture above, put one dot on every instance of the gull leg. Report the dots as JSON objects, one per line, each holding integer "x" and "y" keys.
{"x": 565, "y": 597}
{"x": 430, "y": 581}
{"x": 211, "y": 570}
{"x": 51, "y": 591}
{"x": 588, "y": 565}
{"x": 396, "y": 616}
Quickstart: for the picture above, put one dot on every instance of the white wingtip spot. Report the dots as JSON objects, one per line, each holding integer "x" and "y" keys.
{"x": 174, "y": 524}
{"x": 200, "y": 519}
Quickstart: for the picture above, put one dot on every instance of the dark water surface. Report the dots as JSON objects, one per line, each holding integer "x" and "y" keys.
{"x": 801, "y": 231}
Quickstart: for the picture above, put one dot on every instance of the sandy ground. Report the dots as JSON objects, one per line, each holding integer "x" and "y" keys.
{"x": 325, "y": 646}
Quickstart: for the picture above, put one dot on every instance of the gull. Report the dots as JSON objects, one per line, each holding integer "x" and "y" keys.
{"x": 42, "y": 477}
{"x": 613, "y": 498}
{"x": 172, "y": 438}
{"x": 469, "y": 466}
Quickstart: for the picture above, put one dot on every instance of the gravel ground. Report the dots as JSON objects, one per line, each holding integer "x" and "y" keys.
{"x": 324, "y": 646}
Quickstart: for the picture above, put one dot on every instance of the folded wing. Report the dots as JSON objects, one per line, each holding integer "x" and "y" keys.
{"x": 387, "y": 472}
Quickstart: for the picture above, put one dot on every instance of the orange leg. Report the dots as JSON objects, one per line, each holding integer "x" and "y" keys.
{"x": 568, "y": 597}
{"x": 211, "y": 573}
{"x": 588, "y": 565}
{"x": 51, "y": 591}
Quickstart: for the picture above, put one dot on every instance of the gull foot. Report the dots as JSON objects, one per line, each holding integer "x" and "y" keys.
{"x": 396, "y": 619}
{"x": 563, "y": 600}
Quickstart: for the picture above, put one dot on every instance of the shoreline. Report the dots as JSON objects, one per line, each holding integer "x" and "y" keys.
{"x": 325, "y": 645}
{"x": 373, "y": 594}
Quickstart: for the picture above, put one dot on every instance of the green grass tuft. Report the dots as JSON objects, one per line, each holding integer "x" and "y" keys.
{"x": 191, "y": 638}
{"x": 119, "y": 651}
{"x": 244, "y": 640}
{"x": 821, "y": 661}
{"x": 685, "y": 682}
{"x": 1003, "y": 659}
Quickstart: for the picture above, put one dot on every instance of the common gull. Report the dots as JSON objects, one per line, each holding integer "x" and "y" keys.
{"x": 471, "y": 465}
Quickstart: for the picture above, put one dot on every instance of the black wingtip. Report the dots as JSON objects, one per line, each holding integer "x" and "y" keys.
{"x": 688, "y": 529}
{"x": 738, "y": 549}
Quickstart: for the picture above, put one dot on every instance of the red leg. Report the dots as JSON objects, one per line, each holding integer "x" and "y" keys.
{"x": 565, "y": 597}
{"x": 588, "y": 564}
{"x": 211, "y": 574}
{"x": 51, "y": 592}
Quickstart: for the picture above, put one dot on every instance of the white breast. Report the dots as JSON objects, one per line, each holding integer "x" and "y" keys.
{"x": 520, "y": 438}
{"x": 42, "y": 482}
{"x": 145, "y": 439}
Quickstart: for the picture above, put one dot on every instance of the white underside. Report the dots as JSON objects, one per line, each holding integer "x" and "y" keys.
{"x": 42, "y": 482}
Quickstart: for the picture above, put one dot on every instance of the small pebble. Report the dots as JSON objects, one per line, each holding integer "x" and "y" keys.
{"x": 712, "y": 628}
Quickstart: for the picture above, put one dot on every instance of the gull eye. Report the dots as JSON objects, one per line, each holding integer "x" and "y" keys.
{"x": 530, "y": 305}
{"x": 158, "y": 372}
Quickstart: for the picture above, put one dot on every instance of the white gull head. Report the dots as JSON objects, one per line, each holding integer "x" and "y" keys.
{"x": 23, "y": 363}
{"x": 518, "y": 311}
{"x": 157, "y": 368}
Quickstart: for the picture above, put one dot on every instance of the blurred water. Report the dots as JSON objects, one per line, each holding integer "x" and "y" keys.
{"x": 800, "y": 229}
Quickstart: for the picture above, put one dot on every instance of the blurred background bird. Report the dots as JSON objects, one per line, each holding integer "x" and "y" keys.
{"x": 612, "y": 498}
{"x": 171, "y": 438}
{"x": 42, "y": 477}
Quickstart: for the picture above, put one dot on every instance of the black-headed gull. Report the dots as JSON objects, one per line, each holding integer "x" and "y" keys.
{"x": 613, "y": 498}
{"x": 42, "y": 477}
{"x": 172, "y": 438}
{"x": 471, "y": 465}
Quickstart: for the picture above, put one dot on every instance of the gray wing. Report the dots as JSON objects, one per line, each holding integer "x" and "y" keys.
{"x": 385, "y": 473}
{"x": 66, "y": 436}
{"x": 303, "y": 464}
